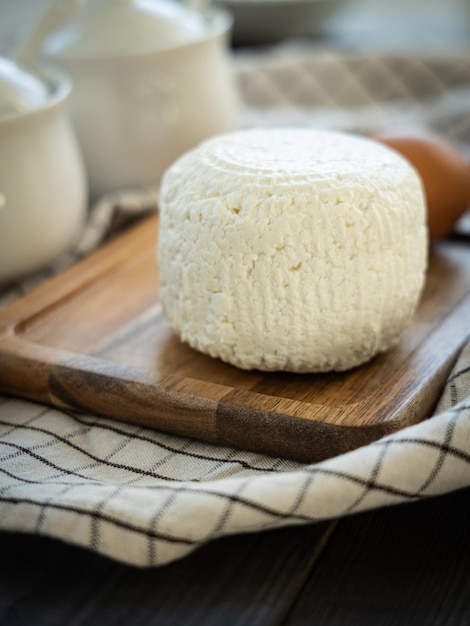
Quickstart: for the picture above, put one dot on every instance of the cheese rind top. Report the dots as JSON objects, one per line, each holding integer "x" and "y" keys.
{"x": 291, "y": 249}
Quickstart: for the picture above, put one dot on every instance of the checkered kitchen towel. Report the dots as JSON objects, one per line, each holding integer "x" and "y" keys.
{"x": 147, "y": 498}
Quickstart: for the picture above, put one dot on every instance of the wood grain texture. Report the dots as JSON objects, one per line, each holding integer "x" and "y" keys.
{"x": 420, "y": 554}
{"x": 94, "y": 339}
{"x": 252, "y": 579}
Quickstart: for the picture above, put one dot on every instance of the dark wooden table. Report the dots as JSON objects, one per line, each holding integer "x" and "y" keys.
{"x": 400, "y": 566}
{"x": 404, "y": 565}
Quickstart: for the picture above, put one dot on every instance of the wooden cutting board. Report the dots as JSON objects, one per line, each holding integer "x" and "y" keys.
{"x": 94, "y": 339}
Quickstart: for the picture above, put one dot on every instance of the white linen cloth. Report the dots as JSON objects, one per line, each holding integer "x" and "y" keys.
{"x": 145, "y": 497}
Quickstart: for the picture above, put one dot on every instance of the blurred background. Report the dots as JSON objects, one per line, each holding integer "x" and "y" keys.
{"x": 404, "y": 25}
{"x": 361, "y": 24}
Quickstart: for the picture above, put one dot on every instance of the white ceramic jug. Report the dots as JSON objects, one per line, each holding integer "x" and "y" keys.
{"x": 151, "y": 79}
{"x": 43, "y": 189}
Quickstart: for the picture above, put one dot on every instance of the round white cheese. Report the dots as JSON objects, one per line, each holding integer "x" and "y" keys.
{"x": 291, "y": 249}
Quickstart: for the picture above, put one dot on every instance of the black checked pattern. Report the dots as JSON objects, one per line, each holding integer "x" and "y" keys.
{"x": 327, "y": 79}
{"x": 357, "y": 92}
{"x": 147, "y": 498}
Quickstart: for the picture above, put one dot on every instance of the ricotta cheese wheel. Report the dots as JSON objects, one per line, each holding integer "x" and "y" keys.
{"x": 291, "y": 249}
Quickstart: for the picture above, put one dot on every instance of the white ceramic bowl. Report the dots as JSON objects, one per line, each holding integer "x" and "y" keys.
{"x": 43, "y": 193}
{"x": 136, "y": 111}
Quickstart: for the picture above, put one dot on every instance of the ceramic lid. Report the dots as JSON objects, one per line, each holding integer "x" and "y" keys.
{"x": 20, "y": 91}
{"x": 118, "y": 27}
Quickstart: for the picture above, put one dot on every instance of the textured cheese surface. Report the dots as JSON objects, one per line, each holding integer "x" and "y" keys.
{"x": 296, "y": 250}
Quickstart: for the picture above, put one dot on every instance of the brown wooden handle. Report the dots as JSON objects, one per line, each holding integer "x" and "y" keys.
{"x": 95, "y": 385}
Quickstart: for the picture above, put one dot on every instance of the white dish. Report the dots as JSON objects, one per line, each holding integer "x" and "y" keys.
{"x": 156, "y": 85}
{"x": 42, "y": 180}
